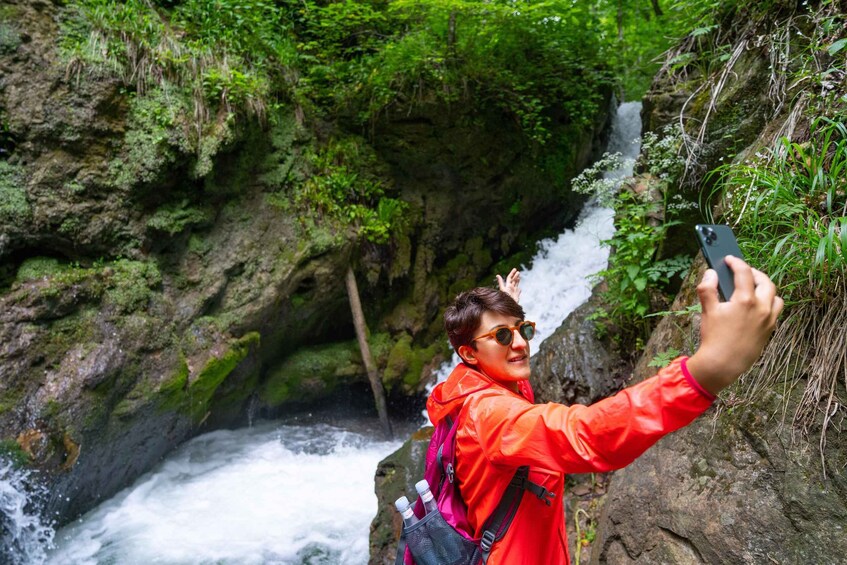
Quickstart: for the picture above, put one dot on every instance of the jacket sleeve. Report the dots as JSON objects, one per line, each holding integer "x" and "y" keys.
{"x": 605, "y": 436}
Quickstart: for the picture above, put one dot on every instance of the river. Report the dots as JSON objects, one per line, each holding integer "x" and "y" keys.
{"x": 297, "y": 491}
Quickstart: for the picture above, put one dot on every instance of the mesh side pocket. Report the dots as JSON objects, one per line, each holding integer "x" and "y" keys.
{"x": 433, "y": 541}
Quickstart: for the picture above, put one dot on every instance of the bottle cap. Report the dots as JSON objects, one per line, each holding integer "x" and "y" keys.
{"x": 401, "y": 503}
{"x": 422, "y": 486}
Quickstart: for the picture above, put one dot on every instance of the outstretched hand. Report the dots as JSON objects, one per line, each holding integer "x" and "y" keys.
{"x": 734, "y": 333}
{"x": 511, "y": 285}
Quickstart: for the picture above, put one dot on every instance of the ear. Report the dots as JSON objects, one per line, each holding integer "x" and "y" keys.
{"x": 468, "y": 354}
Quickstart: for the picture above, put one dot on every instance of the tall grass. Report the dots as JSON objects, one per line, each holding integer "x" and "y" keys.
{"x": 789, "y": 210}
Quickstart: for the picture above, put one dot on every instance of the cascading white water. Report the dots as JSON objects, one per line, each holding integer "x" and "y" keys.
{"x": 267, "y": 494}
{"x": 23, "y": 532}
{"x": 295, "y": 493}
{"x": 561, "y": 276}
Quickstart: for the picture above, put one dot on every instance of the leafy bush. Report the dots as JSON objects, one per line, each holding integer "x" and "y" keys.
{"x": 634, "y": 275}
{"x": 346, "y": 186}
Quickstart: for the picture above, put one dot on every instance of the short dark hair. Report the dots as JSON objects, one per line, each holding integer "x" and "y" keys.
{"x": 463, "y": 316}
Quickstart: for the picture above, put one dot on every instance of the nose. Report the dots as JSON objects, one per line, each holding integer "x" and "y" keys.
{"x": 518, "y": 341}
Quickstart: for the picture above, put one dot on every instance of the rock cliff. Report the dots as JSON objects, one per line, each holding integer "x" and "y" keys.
{"x": 151, "y": 290}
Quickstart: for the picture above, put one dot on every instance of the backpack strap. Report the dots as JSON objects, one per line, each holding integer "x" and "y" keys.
{"x": 521, "y": 480}
{"x": 401, "y": 548}
{"x": 500, "y": 520}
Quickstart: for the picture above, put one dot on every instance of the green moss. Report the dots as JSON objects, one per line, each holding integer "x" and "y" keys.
{"x": 79, "y": 329}
{"x": 14, "y": 207}
{"x": 36, "y": 268}
{"x": 71, "y": 226}
{"x": 75, "y": 187}
{"x": 131, "y": 284}
{"x": 199, "y": 245}
{"x": 174, "y": 218}
{"x": 278, "y": 167}
{"x": 458, "y": 261}
{"x": 11, "y": 398}
{"x": 234, "y": 397}
{"x": 311, "y": 373}
{"x": 10, "y": 450}
{"x": 172, "y": 390}
{"x": 201, "y": 390}
{"x": 10, "y": 38}
{"x": 398, "y": 361}
{"x": 193, "y": 396}
{"x": 153, "y": 140}
{"x": 479, "y": 253}
{"x": 128, "y": 284}
{"x": 137, "y": 397}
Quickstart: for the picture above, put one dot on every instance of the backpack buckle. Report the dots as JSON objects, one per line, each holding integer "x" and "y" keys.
{"x": 450, "y": 473}
{"x": 488, "y": 539}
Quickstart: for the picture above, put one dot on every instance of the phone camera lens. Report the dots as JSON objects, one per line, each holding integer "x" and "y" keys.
{"x": 709, "y": 234}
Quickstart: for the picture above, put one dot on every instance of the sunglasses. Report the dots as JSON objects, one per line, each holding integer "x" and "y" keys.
{"x": 505, "y": 335}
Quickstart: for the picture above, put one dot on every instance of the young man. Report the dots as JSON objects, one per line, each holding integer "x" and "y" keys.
{"x": 500, "y": 429}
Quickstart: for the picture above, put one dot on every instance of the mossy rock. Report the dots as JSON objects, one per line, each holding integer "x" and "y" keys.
{"x": 405, "y": 364}
{"x": 313, "y": 372}
{"x": 36, "y": 268}
{"x": 174, "y": 218}
{"x": 14, "y": 206}
{"x": 11, "y": 451}
{"x": 192, "y": 394}
{"x": 131, "y": 284}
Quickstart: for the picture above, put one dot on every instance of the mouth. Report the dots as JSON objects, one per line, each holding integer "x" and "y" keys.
{"x": 518, "y": 359}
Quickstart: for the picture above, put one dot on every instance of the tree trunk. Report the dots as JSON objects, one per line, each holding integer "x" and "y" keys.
{"x": 620, "y": 19}
{"x": 657, "y": 9}
{"x": 370, "y": 366}
{"x": 451, "y": 33}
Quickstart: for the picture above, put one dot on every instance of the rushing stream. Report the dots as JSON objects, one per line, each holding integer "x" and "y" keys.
{"x": 286, "y": 492}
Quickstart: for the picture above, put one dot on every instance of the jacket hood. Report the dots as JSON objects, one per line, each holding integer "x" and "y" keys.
{"x": 448, "y": 396}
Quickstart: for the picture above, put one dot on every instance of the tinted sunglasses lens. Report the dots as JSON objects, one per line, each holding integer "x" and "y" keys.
{"x": 527, "y": 331}
{"x": 503, "y": 336}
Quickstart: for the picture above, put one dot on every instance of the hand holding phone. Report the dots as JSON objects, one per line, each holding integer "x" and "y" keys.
{"x": 716, "y": 242}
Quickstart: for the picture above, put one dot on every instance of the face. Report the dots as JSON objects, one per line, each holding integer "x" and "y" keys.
{"x": 505, "y": 364}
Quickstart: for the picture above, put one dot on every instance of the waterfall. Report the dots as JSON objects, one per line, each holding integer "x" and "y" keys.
{"x": 24, "y": 534}
{"x": 289, "y": 492}
{"x": 561, "y": 276}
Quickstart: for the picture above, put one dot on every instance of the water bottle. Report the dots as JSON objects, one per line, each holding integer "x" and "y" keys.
{"x": 426, "y": 495}
{"x": 405, "y": 510}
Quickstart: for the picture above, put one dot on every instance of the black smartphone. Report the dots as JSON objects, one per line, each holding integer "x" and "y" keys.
{"x": 716, "y": 242}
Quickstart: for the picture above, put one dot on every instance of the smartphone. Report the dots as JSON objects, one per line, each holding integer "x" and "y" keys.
{"x": 716, "y": 242}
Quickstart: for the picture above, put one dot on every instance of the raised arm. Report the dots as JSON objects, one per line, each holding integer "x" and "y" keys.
{"x": 511, "y": 285}
{"x": 605, "y": 436}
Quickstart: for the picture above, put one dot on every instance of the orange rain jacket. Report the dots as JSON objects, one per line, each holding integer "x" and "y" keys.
{"x": 500, "y": 430}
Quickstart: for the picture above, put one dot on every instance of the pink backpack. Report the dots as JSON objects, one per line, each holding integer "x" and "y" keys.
{"x": 443, "y": 537}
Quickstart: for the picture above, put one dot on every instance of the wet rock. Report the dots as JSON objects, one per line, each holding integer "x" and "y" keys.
{"x": 396, "y": 476}
{"x": 574, "y": 365}
{"x": 733, "y": 487}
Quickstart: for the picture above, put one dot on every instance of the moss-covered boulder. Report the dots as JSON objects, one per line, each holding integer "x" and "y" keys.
{"x": 396, "y": 476}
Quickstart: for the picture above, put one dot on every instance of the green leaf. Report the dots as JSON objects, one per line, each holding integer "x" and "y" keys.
{"x": 703, "y": 30}
{"x": 640, "y": 283}
{"x": 837, "y": 46}
{"x": 844, "y": 239}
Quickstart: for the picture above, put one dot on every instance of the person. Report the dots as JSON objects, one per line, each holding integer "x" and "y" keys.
{"x": 500, "y": 428}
